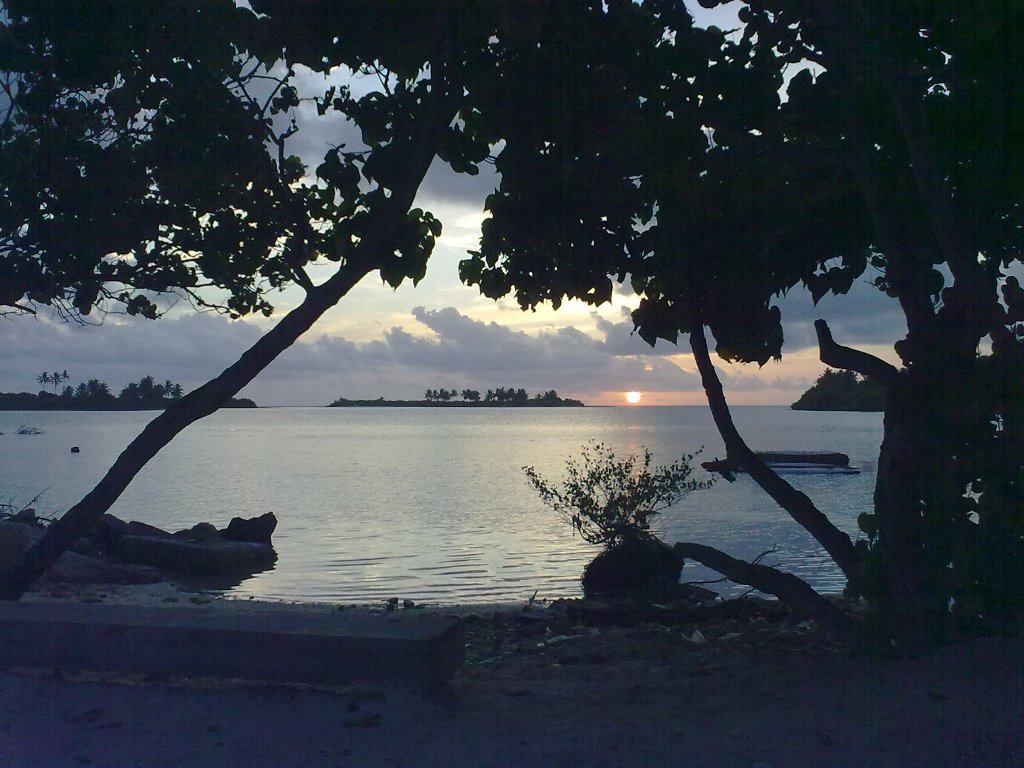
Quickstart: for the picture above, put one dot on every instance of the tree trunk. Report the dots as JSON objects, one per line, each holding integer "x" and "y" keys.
{"x": 797, "y": 504}
{"x": 916, "y": 505}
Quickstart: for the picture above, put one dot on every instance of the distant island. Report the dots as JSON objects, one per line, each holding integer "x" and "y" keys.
{"x": 471, "y": 398}
{"x": 95, "y": 395}
{"x": 842, "y": 391}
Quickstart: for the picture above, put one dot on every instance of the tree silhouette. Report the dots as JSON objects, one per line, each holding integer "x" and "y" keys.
{"x": 632, "y": 144}
{"x": 97, "y": 390}
{"x": 898, "y": 154}
{"x": 195, "y": 195}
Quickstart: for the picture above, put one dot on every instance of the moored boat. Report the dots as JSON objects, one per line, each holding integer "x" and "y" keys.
{"x": 793, "y": 462}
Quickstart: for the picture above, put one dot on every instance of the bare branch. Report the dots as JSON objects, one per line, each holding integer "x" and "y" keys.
{"x": 850, "y": 359}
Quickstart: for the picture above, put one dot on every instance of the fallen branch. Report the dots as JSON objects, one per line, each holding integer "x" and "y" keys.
{"x": 796, "y": 593}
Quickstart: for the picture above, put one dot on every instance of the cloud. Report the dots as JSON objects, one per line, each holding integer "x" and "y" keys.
{"x": 448, "y": 349}
{"x": 564, "y": 358}
{"x": 430, "y": 348}
{"x": 863, "y": 317}
{"x": 189, "y": 349}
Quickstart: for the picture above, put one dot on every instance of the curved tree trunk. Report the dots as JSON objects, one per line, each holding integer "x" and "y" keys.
{"x": 80, "y": 519}
{"x": 797, "y": 504}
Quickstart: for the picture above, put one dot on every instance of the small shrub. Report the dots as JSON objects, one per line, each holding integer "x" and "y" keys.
{"x": 608, "y": 500}
{"x": 635, "y": 565}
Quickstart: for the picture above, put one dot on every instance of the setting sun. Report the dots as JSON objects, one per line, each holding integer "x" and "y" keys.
{"x": 633, "y": 397}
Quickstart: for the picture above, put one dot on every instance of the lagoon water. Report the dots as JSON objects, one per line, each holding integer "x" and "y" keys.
{"x": 431, "y": 504}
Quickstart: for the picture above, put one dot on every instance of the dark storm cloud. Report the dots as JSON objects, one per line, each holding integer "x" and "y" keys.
{"x": 863, "y": 316}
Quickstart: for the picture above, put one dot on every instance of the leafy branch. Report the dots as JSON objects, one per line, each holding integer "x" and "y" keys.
{"x": 609, "y": 500}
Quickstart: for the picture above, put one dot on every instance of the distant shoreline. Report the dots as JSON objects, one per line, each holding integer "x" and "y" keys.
{"x": 842, "y": 391}
{"x": 26, "y": 401}
{"x": 382, "y": 403}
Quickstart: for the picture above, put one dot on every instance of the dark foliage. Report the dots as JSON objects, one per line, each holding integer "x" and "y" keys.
{"x": 645, "y": 565}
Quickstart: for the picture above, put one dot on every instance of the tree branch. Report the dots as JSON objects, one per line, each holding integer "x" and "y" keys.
{"x": 793, "y": 591}
{"x": 847, "y": 358}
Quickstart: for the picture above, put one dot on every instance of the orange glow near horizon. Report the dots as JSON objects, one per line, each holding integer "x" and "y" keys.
{"x": 633, "y": 397}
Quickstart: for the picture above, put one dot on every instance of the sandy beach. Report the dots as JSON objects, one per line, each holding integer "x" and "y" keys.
{"x": 751, "y": 692}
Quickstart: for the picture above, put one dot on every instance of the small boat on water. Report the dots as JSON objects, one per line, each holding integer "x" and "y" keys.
{"x": 794, "y": 463}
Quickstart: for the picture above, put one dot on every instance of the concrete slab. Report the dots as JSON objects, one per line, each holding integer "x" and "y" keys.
{"x": 257, "y": 642}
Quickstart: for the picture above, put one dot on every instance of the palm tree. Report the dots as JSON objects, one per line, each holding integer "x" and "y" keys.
{"x": 97, "y": 390}
{"x": 176, "y": 392}
{"x": 130, "y": 392}
{"x": 44, "y": 378}
{"x": 57, "y": 378}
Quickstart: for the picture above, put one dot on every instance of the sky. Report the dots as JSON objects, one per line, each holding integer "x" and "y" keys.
{"x": 380, "y": 342}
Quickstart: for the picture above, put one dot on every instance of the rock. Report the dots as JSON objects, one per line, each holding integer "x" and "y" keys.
{"x": 15, "y": 539}
{"x": 108, "y": 531}
{"x": 637, "y": 565}
{"x": 26, "y": 516}
{"x": 254, "y": 529}
{"x": 199, "y": 532}
{"x": 85, "y": 546}
{"x": 73, "y": 568}
{"x": 135, "y": 528}
{"x": 212, "y": 556}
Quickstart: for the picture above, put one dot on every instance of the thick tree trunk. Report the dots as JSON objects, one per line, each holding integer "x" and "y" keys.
{"x": 797, "y": 504}
{"x": 910, "y": 583}
{"x": 915, "y": 513}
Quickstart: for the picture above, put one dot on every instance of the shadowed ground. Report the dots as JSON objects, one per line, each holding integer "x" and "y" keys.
{"x": 756, "y": 693}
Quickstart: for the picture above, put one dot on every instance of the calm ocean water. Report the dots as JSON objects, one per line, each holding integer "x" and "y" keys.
{"x": 431, "y": 504}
